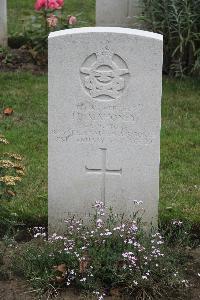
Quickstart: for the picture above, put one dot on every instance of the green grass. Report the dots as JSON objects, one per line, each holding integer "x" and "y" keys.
{"x": 180, "y": 146}
{"x": 27, "y": 132}
{"x": 180, "y": 151}
{"x": 21, "y": 11}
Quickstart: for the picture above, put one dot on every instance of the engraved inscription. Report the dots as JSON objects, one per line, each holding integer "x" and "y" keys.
{"x": 103, "y": 171}
{"x": 89, "y": 112}
{"x": 104, "y": 75}
{"x": 113, "y": 134}
{"x": 104, "y": 123}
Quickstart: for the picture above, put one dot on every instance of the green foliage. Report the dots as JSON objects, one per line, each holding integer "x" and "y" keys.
{"x": 110, "y": 254}
{"x": 5, "y": 55}
{"x": 43, "y": 22}
{"x": 179, "y": 22}
{"x": 179, "y": 234}
{"x": 37, "y": 29}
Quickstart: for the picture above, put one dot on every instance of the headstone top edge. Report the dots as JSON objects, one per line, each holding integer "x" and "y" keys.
{"x": 129, "y": 31}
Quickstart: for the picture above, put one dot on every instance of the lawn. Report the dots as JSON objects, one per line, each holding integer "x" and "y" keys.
{"x": 26, "y": 130}
{"x": 180, "y": 151}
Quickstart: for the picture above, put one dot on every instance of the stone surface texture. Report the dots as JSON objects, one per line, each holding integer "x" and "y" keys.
{"x": 104, "y": 121}
{"x": 123, "y": 13}
{"x": 3, "y": 23}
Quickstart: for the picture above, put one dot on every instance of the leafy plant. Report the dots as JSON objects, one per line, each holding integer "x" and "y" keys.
{"x": 179, "y": 22}
{"x": 110, "y": 256}
{"x": 49, "y": 17}
{"x": 5, "y": 56}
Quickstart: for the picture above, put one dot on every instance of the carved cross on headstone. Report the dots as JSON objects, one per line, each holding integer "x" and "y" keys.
{"x": 104, "y": 171}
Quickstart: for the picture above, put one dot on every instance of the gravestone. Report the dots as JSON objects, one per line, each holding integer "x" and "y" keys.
{"x": 104, "y": 121}
{"x": 123, "y": 13}
{"x": 3, "y": 23}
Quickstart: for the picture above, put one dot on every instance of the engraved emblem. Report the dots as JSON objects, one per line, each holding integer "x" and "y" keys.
{"x": 104, "y": 75}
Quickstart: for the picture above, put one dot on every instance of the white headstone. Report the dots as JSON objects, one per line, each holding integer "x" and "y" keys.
{"x": 104, "y": 121}
{"x": 3, "y": 23}
{"x": 123, "y": 13}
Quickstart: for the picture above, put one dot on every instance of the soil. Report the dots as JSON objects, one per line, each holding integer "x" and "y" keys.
{"x": 14, "y": 288}
{"x": 22, "y": 59}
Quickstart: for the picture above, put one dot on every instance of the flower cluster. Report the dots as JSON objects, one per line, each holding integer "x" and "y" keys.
{"x": 13, "y": 155}
{"x": 177, "y": 223}
{"x": 8, "y": 164}
{"x": 52, "y": 20}
{"x": 11, "y": 171}
{"x": 50, "y": 16}
{"x": 71, "y": 20}
{"x": 49, "y": 7}
{"x": 48, "y": 4}
{"x": 3, "y": 140}
{"x": 109, "y": 247}
{"x": 10, "y": 180}
{"x": 39, "y": 232}
{"x": 100, "y": 208}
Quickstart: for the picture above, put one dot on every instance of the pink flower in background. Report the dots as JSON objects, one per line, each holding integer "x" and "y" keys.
{"x": 60, "y": 2}
{"x": 72, "y": 20}
{"x": 52, "y": 4}
{"x": 48, "y": 4}
{"x": 52, "y": 20}
{"x": 39, "y": 4}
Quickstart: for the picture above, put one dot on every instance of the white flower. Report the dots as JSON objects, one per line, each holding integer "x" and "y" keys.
{"x": 108, "y": 233}
{"x": 96, "y": 293}
{"x": 99, "y": 222}
{"x": 116, "y": 228}
{"x": 178, "y": 223}
{"x": 160, "y": 242}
